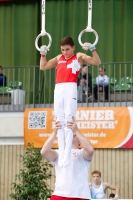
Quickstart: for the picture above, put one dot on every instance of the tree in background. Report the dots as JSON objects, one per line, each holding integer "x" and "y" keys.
{"x": 30, "y": 183}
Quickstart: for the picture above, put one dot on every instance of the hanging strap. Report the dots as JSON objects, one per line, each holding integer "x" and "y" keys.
{"x": 43, "y": 31}
{"x": 88, "y": 28}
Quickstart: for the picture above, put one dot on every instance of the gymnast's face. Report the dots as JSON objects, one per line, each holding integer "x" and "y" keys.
{"x": 67, "y": 50}
{"x": 96, "y": 178}
{"x": 101, "y": 72}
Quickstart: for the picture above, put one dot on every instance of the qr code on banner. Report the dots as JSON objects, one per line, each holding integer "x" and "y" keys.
{"x": 37, "y": 119}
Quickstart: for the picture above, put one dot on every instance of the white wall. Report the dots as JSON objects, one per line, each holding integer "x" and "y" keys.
{"x": 11, "y": 128}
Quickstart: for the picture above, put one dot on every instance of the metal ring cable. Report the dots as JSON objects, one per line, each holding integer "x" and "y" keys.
{"x": 43, "y": 31}
{"x": 88, "y": 28}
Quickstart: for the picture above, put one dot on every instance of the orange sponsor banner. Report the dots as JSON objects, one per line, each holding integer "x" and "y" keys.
{"x": 105, "y": 127}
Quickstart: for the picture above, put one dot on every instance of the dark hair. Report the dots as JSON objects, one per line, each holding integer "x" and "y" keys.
{"x": 67, "y": 41}
{"x": 84, "y": 65}
{"x": 1, "y": 67}
{"x": 96, "y": 172}
{"x": 103, "y": 69}
{"x": 112, "y": 195}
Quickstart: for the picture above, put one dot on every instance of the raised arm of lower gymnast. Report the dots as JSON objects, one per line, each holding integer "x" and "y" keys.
{"x": 88, "y": 149}
{"x": 47, "y": 152}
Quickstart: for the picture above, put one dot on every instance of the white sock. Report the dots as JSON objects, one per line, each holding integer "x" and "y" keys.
{"x": 68, "y": 147}
{"x": 61, "y": 146}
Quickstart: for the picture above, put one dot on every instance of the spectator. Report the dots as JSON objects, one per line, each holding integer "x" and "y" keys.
{"x": 83, "y": 78}
{"x": 102, "y": 84}
{"x": 111, "y": 196}
{"x": 98, "y": 188}
{"x": 2, "y": 77}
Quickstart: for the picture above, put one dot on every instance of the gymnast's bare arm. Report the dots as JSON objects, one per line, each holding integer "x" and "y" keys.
{"x": 112, "y": 187}
{"x": 44, "y": 64}
{"x": 79, "y": 138}
{"x": 92, "y": 60}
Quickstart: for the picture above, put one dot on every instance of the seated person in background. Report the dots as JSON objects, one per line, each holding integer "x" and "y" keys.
{"x": 111, "y": 196}
{"x": 82, "y": 81}
{"x": 2, "y": 77}
{"x": 102, "y": 84}
{"x": 98, "y": 188}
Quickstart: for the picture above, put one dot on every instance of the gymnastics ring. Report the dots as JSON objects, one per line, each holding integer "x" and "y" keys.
{"x": 40, "y": 35}
{"x": 88, "y": 30}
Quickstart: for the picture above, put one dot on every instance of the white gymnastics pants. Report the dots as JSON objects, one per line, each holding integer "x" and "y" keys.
{"x": 65, "y": 106}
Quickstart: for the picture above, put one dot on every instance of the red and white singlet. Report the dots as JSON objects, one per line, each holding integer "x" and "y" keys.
{"x": 67, "y": 70}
